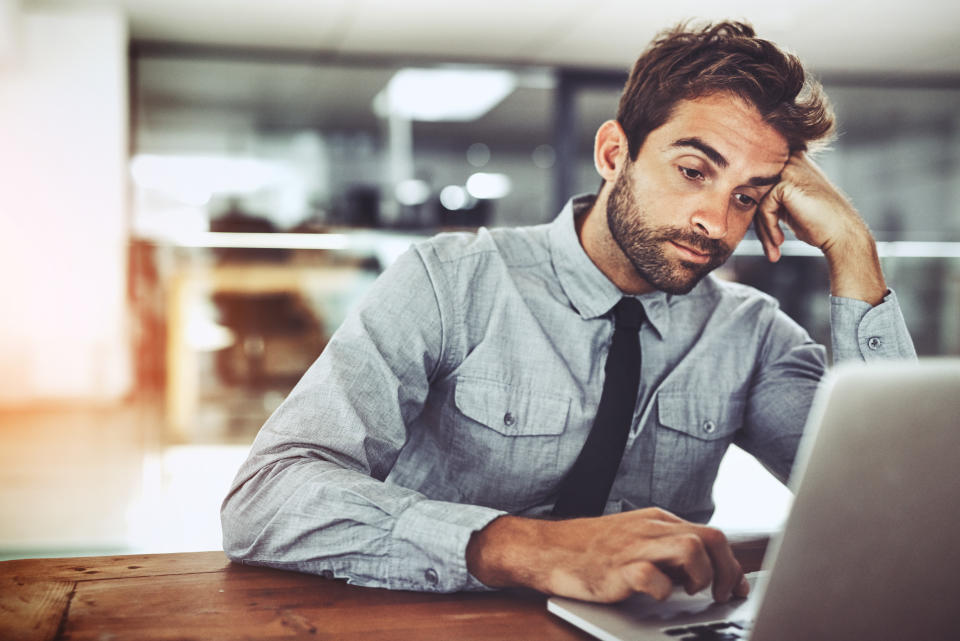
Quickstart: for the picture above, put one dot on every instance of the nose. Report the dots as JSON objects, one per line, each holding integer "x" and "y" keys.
{"x": 710, "y": 217}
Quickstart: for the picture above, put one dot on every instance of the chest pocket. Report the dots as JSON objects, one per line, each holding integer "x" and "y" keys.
{"x": 510, "y": 411}
{"x": 692, "y": 436}
{"x": 504, "y": 442}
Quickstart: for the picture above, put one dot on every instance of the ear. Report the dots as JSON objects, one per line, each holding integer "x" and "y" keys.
{"x": 610, "y": 150}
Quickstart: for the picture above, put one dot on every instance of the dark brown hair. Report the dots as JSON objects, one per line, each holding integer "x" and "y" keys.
{"x": 684, "y": 63}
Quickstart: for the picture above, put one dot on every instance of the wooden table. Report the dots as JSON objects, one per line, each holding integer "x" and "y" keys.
{"x": 202, "y": 596}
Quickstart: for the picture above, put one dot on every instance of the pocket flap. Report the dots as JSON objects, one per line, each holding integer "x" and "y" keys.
{"x": 703, "y": 417}
{"x": 511, "y": 410}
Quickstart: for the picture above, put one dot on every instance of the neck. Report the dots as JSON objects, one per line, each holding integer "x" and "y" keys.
{"x": 594, "y": 233}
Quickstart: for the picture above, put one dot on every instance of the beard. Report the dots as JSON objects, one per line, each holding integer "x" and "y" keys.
{"x": 643, "y": 245}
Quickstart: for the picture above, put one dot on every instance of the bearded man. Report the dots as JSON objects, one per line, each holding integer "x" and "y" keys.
{"x": 548, "y": 406}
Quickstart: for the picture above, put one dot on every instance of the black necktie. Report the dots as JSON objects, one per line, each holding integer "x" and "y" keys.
{"x": 585, "y": 489}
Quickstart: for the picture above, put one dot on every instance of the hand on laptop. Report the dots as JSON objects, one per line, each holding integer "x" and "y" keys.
{"x": 606, "y": 558}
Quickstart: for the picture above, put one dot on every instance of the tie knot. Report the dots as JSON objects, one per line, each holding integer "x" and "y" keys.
{"x": 628, "y": 314}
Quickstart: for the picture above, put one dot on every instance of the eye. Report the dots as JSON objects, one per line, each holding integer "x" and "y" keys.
{"x": 745, "y": 202}
{"x": 691, "y": 174}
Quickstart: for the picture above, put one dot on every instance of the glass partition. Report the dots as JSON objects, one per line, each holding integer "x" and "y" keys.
{"x": 268, "y": 192}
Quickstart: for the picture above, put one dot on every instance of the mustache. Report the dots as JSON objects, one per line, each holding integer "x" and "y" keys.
{"x": 711, "y": 246}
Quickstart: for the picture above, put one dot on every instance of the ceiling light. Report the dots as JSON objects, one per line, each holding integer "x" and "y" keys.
{"x": 488, "y": 186}
{"x": 478, "y": 154}
{"x": 544, "y": 156}
{"x": 412, "y": 192}
{"x": 437, "y": 95}
{"x": 454, "y": 197}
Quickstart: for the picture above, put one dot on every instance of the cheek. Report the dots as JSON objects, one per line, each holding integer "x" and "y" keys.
{"x": 739, "y": 225}
{"x": 663, "y": 206}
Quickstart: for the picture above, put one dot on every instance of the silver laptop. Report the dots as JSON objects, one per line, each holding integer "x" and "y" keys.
{"x": 871, "y": 548}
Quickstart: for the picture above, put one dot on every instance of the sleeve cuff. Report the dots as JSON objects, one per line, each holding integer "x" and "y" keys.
{"x": 863, "y": 332}
{"x": 441, "y": 531}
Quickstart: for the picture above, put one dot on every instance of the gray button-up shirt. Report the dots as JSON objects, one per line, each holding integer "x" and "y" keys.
{"x": 465, "y": 385}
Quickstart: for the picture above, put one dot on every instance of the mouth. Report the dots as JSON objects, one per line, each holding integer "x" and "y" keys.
{"x": 691, "y": 255}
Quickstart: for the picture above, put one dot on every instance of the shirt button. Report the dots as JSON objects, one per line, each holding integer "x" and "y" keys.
{"x": 709, "y": 426}
{"x": 431, "y": 576}
{"x": 509, "y": 419}
{"x": 874, "y": 343}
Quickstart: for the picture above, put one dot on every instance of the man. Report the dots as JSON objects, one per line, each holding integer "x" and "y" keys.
{"x": 454, "y": 409}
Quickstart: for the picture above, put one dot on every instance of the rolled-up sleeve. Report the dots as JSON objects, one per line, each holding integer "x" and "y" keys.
{"x": 312, "y": 495}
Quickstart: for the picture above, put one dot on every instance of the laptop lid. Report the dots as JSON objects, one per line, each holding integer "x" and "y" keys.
{"x": 871, "y": 549}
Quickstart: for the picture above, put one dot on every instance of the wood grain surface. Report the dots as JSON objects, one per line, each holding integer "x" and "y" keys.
{"x": 202, "y": 596}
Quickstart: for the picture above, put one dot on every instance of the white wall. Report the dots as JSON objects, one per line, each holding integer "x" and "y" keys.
{"x": 64, "y": 330}
{"x": 8, "y": 16}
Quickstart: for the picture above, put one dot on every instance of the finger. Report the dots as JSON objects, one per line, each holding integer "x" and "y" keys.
{"x": 683, "y": 556}
{"x": 767, "y": 224}
{"x": 727, "y": 573}
{"x": 643, "y": 576}
{"x": 742, "y": 589}
{"x": 769, "y": 247}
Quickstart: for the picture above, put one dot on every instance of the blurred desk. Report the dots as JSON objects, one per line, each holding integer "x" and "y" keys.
{"x": 190, "y": 286}
{"x": 202, "y": 595}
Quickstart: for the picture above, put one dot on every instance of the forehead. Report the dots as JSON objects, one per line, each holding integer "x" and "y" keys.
{"x": 727, "y": 123}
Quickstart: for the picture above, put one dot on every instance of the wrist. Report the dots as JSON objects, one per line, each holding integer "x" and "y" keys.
{"x": 855, "y": 270}
{"x": 502, "y": 554}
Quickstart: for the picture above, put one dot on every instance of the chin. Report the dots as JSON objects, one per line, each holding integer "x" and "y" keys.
{"x": 682, "y": 281}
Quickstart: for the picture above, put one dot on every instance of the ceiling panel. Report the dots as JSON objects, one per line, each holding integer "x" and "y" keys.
{"x": 492, "y": 30}
{"x": 277, "y": 23}
{"x": 852, "y": 35}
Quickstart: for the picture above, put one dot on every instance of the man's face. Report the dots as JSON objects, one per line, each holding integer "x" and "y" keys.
{"x": 681, "y": 207}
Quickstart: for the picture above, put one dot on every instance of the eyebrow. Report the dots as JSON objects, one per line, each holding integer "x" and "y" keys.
{"x": 763, "y": 181}
{"x": 717, "y": 158}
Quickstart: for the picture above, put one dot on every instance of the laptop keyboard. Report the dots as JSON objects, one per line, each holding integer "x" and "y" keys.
{"x": 719, "y": 631}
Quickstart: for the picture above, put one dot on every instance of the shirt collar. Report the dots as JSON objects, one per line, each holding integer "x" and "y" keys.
{"x": 590, "y": 292}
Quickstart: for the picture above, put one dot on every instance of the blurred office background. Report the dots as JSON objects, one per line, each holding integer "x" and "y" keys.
{"x": 194, "y": 194}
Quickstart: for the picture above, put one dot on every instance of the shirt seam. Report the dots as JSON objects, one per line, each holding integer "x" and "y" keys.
{"x": 434, "y": 289}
